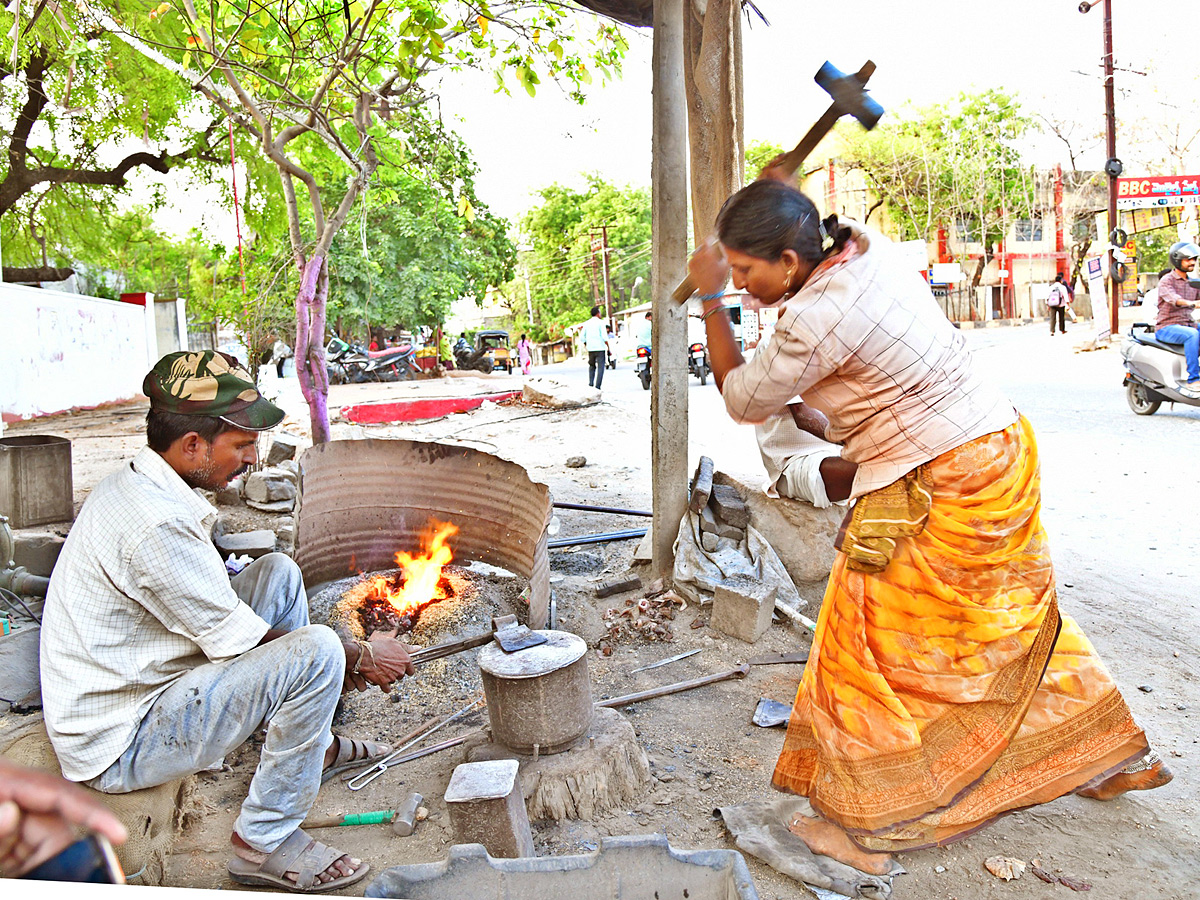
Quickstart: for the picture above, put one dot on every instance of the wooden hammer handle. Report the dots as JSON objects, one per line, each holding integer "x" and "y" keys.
{"x": 791, "y": 161}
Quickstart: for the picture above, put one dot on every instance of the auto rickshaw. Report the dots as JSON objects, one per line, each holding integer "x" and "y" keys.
{"x": 495, "y": 344}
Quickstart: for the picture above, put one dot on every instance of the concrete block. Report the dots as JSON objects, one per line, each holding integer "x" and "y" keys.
{"x": 283, "y": 446}
{"x": 702, "y": 484}
{"x": 487, "y": 807}
{"x": 742, "y": 608}
{"x": 729, "y": 506}
{"x": 37, "y": 551}
{"x": 250, "y": 543}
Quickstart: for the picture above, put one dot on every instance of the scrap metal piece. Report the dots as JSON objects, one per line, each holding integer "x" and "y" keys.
{"x": 772, "y": 659}
{"x": 669, "y": 659}
{"x": 770, "y": 713}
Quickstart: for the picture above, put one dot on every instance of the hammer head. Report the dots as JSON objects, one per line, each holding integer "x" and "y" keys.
{"x": 849, "y": 94}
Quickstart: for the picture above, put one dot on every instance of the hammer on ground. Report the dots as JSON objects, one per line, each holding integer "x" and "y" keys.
{"x": 849, "y": 99}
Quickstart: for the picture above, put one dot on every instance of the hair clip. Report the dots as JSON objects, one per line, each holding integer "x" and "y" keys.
{"x": 826, "y": 239}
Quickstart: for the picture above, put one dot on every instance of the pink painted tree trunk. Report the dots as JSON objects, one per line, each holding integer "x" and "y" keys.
{"x": 310, "y": 344}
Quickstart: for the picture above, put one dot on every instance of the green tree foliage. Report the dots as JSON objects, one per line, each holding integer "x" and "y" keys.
{"x": 758, "y": 154}
{"x": 565, "y": 271}
{"x": 954, "y": 165}
{"x": 82, "y": 112}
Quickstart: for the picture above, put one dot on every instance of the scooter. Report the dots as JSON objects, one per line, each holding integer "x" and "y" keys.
{"x": 1153, "y": 371}
{"x": 641, "y": 366}
{"x": 698, "y": 361}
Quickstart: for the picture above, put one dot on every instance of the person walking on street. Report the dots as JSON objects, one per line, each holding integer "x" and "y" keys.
{"x": 595, "y": 342}
{"x": 1177, "y": 297}
{"x": 525, "y": 354}
{"x": 1056, "y": 304}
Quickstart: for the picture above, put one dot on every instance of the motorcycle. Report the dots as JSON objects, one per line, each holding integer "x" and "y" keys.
{"x": 480, "y": 360}
{"x": 641, "y": 366}
{"x": 698, "y": 362}
{"x": 1153, "y": 371}
{"x": 344, "y": 362}
{"x": 392, "y": 364}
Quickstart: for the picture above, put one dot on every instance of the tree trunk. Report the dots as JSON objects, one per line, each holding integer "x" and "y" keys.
{"x": 310, "y": 346}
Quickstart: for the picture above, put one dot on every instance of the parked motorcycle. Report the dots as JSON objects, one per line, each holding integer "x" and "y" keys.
{"x": 344, "y": 362}
{"x": 1153, "y": 371}
{"x": 467, "y": 358}
{"x": 392, "y": 364}
{"x": 641, "y": 366}
{"x": 698, "y": 361}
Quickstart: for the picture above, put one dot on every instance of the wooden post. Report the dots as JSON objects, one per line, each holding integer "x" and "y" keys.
{"x": 668, "y": 178}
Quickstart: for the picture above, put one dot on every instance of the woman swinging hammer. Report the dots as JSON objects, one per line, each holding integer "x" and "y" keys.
{"x": 944, "y": 688}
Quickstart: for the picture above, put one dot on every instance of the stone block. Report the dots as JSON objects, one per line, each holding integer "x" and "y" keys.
{"x": 708, "y": 522}
{"x": 645, "y": 549}
{"x": 742, "y": 608}
{"x": 734, "y": 534}
{"x": 280, "y": 506}
{"x": 709, "y": 541}
{"x": 36, "y": 551}
{"x": 249, "y": 543}
{"x": 269, "y": 487}
{"x": 487, "y": 807}
{"x": 729, "y": 506}
{"x": 801, "y": 534}
{"x": 702, "y": 484}
{"x": 283, "y": 446}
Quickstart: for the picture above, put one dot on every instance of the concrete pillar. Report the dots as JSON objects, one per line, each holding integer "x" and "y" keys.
{"x": 669, "y": 188}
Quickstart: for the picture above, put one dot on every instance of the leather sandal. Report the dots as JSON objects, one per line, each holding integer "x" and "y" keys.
{"x": 353, "y": 754}
{"x": 302, "y": 855}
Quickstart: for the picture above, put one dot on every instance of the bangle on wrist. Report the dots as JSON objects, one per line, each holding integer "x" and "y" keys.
{"x": 716, "y": 309}
{"x": 719, "y": 295}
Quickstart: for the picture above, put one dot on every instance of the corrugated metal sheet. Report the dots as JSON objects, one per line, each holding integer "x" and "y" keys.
{"x": 361, "y": 501}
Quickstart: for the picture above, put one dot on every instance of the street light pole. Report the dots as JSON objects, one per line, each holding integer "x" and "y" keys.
{"x": 1112, "y": 169}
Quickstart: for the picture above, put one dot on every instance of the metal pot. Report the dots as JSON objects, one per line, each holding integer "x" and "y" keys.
{"x": 539, "y": 699}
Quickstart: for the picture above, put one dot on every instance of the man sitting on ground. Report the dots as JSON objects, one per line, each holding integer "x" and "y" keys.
{"x": 155, "y": 665}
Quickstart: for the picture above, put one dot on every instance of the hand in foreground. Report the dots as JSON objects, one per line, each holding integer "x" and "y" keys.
{"x": 775, "y": 172}
{"x": 40, "y": 814}
{"x": 385, "y": 662}
{"x": 709, "y": 268}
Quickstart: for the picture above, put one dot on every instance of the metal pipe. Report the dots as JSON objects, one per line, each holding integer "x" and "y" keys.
{"x": 604, "y": 509}
{"x": 598, "y": 538}
{"x": 616, "y": 702}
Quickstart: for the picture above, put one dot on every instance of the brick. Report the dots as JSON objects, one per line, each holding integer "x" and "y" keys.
{"x": 487, "y": 807}
{"x": 742, "y": 608}
{"x": 702, "y": 485}
{"x": 729, "y": 506}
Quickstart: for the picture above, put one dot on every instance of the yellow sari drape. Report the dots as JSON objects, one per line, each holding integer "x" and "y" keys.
{"x": 947, "y": 689}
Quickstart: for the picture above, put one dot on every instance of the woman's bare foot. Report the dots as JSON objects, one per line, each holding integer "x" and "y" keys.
{"x": 827, "y": 839}
{"x": 341, "y": 867}
{"x": 1146, "y": 774}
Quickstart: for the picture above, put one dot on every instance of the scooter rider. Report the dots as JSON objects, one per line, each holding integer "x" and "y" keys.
{"x": 1176, "y": 300}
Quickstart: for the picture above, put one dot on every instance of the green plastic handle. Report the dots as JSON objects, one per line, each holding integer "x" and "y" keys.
{"x": 382, "y": 817}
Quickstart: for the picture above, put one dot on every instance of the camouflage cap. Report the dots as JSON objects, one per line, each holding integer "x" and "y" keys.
{"x": 209, "y": 383}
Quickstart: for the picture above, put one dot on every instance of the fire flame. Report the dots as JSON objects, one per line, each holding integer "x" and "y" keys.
{"x": 420, "y": 574}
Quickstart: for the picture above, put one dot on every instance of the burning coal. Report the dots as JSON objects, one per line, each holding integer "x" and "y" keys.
{"x": 395, "y": 600}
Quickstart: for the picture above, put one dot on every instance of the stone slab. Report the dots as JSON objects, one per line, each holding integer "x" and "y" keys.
{"x": 702, "y": 484}
{"x": 727, "y": 503}
{"x": 249, "y": 543}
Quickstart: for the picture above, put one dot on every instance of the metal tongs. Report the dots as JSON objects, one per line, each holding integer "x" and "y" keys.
{"x": 362, "y": 779}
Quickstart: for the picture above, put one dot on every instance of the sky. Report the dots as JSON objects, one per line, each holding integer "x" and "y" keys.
{"x": 926, "y": 51}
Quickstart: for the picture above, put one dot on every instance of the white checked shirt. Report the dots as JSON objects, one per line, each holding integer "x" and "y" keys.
{"x": 138, "y": 596}
{"x": 866, "y": 343}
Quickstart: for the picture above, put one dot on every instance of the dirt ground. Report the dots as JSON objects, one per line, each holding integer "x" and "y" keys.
{"x": 703, "y": 749}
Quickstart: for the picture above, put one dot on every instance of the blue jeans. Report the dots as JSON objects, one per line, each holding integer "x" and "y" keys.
{"x": 292, "y": 684}
{"x": 1190, "y": 338}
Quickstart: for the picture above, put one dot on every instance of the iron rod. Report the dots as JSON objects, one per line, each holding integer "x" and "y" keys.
{"x": 598, "y": 538}
{"x": 604, "y": 509}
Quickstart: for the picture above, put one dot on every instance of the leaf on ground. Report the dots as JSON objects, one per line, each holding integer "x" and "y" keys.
{"x": 1005, "y": 867}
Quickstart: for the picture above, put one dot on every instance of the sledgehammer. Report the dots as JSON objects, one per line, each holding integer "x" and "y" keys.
{"x": 849, "y": 98}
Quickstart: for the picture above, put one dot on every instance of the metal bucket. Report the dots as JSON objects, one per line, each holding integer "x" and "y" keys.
{"x": 539, "y": 699}
{"x": 35, "y": 480}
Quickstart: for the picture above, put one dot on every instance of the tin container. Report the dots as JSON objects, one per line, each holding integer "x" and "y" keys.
{"x": 539, "y": 699}
{"x": 35, "y": 480}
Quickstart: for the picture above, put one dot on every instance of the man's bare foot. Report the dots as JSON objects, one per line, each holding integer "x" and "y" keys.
{"x": 342, "y": 867}
{"x": 1146, "y": 774}
{"x": 827, "y": 839}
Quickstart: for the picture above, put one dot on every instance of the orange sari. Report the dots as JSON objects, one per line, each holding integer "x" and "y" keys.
{"x": 946, "y": 689}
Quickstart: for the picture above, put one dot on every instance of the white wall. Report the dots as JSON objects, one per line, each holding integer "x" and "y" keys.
{"x": 59, "y": 351}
